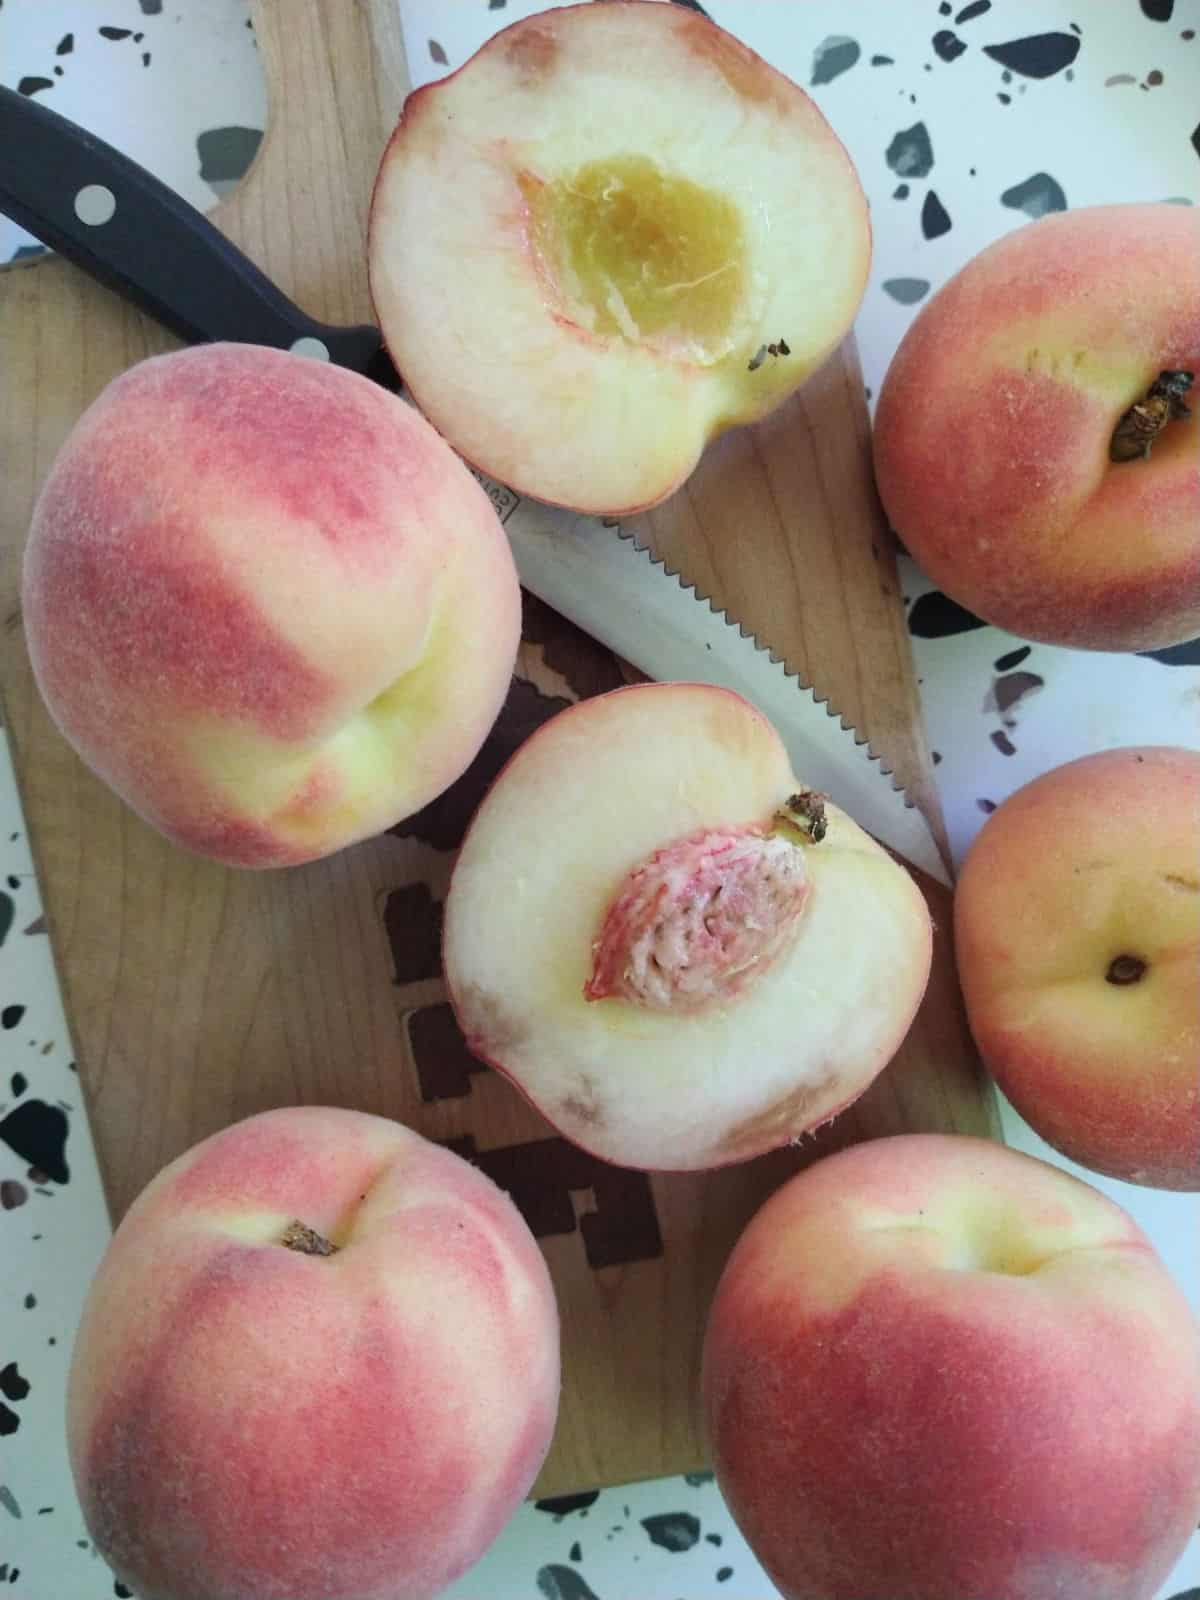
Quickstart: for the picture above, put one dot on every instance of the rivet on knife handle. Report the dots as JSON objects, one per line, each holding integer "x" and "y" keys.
{"x": 148, "y": 243}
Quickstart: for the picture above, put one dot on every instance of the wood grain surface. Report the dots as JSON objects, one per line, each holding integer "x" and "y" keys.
{"x": 198, "y": 995}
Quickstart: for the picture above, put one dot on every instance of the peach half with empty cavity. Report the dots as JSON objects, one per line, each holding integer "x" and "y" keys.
{"x": 680, "y": 954}
{"x": 266, "y": 603}
{"x": 613, "y": 233}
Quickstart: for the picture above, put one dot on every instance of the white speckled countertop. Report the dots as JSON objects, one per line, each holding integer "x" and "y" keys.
{"x": 963, "y": 120}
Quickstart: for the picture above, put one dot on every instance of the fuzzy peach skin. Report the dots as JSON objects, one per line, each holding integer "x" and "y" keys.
{"x": 994, "y": 422}
{"x": 266, "y": 603}
{"x": 937, "y": 1369}
{"x": 245, "y": 1419}
{"x": 1077, "y": 927}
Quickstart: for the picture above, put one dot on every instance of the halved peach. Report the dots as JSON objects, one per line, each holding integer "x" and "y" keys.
{"x": 680, "y": 955}
{"x": 611, "y": 234}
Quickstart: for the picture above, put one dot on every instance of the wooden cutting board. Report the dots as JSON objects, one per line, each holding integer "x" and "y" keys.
{"x": 199, "y": 995}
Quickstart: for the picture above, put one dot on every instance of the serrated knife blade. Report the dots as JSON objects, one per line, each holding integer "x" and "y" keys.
{"x": 613, "y": 588}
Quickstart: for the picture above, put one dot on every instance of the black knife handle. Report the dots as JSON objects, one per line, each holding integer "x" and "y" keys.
{"x": 155, "y": 250}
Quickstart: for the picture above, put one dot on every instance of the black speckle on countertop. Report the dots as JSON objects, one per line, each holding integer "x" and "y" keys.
{"x": 936, "y": 616}
{"x": 673, "y": 1530}
{"x": 910, "y": 154}
{"x": 562, "y": 1583}
{"x": 834, "y": 55}
{"x": 38, "y": 1134}
{"x": 562, "y": 1505}
{"x": 906, "y": 291}
{"x": 1186, "y": 654}
{"x": 1038, "y": 55}
{"x": 947, "y": 46}
{"x": 935, "y": 219}
{"x": 1036, "y": 196}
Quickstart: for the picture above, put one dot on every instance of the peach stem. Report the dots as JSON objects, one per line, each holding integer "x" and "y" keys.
{"x": 298, "y": 1236}
{"x": 1125, "y": 969}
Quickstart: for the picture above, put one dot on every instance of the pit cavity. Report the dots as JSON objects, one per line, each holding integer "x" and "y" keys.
{"x": 640, "y": 254}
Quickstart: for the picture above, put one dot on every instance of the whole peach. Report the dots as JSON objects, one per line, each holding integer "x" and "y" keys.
{"x": 996, "y": 422}
{"x": 1077, "y": 926}
{"x": 937, "y": 1369}
{"x": 266, "y": 603}
{"x": 319, "y": 1359}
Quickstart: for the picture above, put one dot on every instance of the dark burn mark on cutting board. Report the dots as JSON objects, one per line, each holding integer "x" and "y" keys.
{"x": 413, "y": 919}
{"x": 1036, "y": 196}
{"x": 1186, "y": 654}
{"x": 10, "y": 1017}
{"x": 7, "y": 912}
{"x": 587, "y": 666}
{"x": 673, "y": 1530}
{"x": 910, "y": 154}
{"x": 833, "y": 56}
{"x": 541, "y": 1176}
{"x": 19, "y": 1084}
{"x": 947, "y": 46}
{"x": 562, "y": 1505}
{"x": 562, "y": 1583}
{"x": 440, "y": 1053}
{"x": 34, "y": 85}
{"x": 969, "y": 13}
{"x": 114, "y": 33}
{"x": 936, "y": 616}
{"x": 935, "y": 219}
{"x": 65, "y": 45}
{"x": 1158, "y": 11}
{"x": 443, "y": 822}
{"x": 38, "y": 1134}
{"x": 1038, "y": 55}
{"x": 436, "y": 53}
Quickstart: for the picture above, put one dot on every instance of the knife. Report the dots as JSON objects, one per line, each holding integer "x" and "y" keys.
{"x": 131, "y": 232}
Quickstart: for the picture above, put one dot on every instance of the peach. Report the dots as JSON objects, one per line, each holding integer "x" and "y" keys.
{"x": 1077, "y": 927}
{"x": 319, "y": 1360}
{"x": 611, "y": 234}
{"x": 266, "y": 603}
{"x": 938, "y": 1369}
{"x": 1003, "y": 408}
{"x": 678, "y": 953}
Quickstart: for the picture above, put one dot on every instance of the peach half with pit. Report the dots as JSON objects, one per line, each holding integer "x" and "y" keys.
{"x": 266, "y": 603}
{"x": 320, "y": 1358}
{"x": 613, "y": 233}
{"x": 680, "y": 955}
